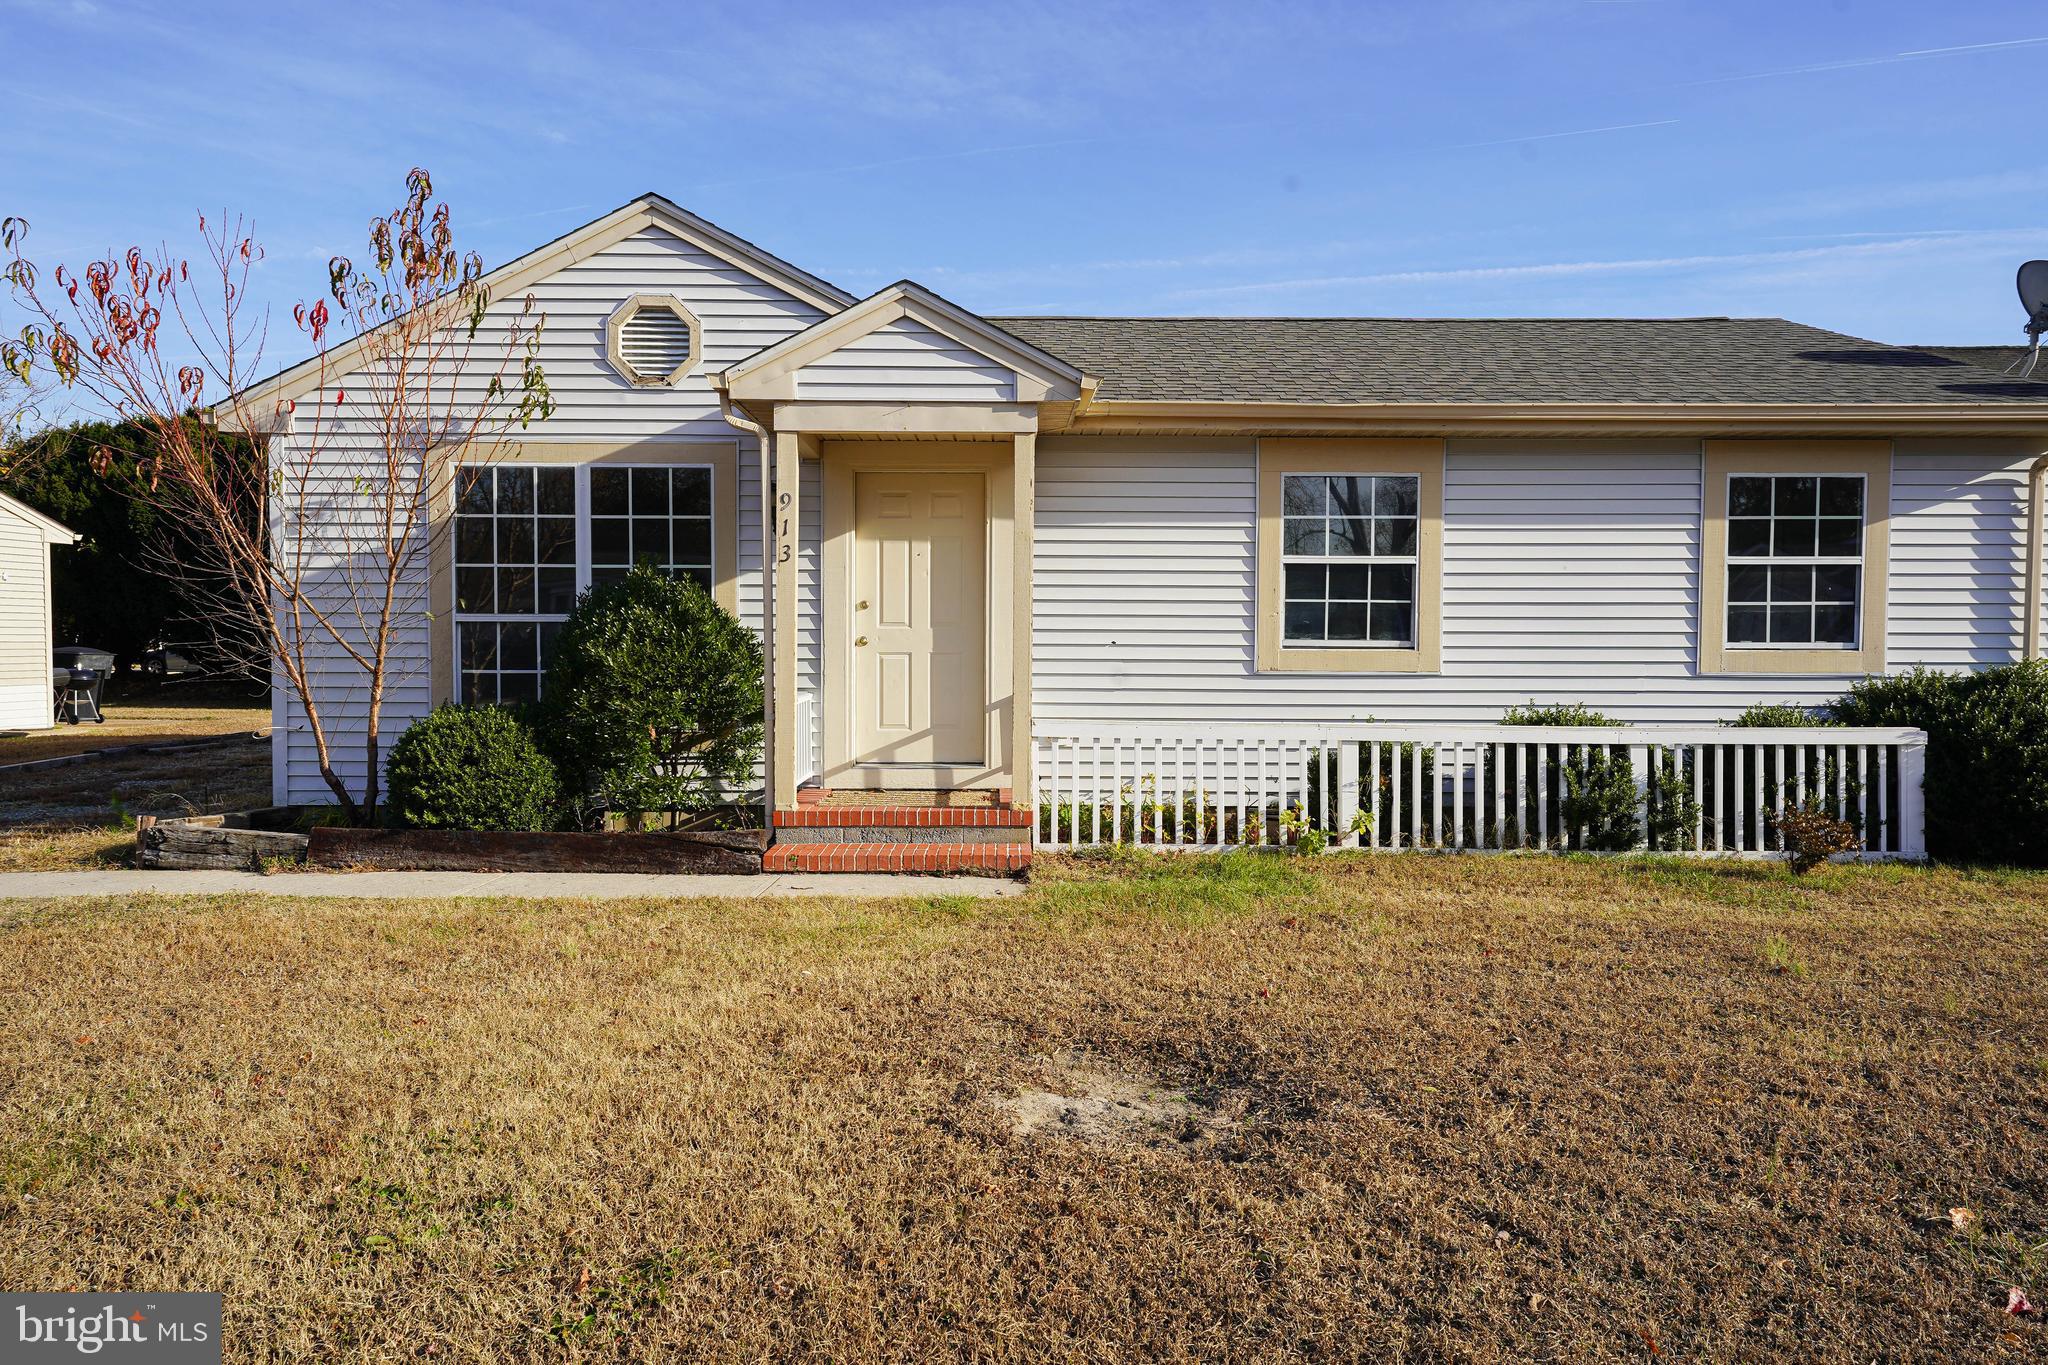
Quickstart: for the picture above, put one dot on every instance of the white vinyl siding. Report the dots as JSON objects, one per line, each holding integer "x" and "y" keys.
{"x": 1958, "y": 556}
{"x": 906, "y": 361}
{"x": 1571, "y": 573}
{"x": 739, "y": 314}
{"x": 25, "y": 643}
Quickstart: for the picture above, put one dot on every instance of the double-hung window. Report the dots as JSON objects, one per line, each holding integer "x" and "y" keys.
{"x": 1349, "y": 556}
{"x": 1350, "y": 548}
{"x": 1795, "y": 544}
{"x": 1795, "y": 560}
{"x": 528, "y": 538}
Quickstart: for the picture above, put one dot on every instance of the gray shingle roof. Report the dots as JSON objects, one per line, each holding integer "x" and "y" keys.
{"x": 1505, "y": 360}
{"x": 1987, "y": 357}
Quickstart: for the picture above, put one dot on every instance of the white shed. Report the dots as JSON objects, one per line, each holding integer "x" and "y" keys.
{"x": 26, "y": 639}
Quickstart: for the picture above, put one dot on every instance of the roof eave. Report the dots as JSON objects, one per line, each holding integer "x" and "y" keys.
{"x": 2018, "y": 419}
{"x": 54, "y": 532}
{"x": 998, "y": 343}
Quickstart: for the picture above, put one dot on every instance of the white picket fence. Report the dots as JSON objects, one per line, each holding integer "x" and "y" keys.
{"x": 1696, "y": 789}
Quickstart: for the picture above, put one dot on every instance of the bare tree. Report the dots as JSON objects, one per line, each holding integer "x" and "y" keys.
{"x": 18, "y": 406}
{"x": 323, "y": 538}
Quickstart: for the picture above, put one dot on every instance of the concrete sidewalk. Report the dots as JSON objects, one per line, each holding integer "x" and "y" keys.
{"x": 521, "y": 885}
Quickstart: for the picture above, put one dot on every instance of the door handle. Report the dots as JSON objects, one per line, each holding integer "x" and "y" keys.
{"x": 862, "y": 607}
{"x": 861, "y": 641}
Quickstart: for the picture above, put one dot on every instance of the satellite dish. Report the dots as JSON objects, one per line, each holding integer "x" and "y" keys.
{"x": 2033, "y": 286}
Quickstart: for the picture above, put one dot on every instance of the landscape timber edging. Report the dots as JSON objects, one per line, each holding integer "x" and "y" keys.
{"x": 447, "y": 850}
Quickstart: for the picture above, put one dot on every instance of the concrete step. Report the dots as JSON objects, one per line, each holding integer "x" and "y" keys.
{"x": 992, "y": 858}
{"x": 902, "y": 825}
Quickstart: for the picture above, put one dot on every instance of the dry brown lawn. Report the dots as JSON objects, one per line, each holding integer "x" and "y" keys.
{"x": 147, "y": 715}
{"x": 1383, "y": 1108}
{"x": 83, "y": 814}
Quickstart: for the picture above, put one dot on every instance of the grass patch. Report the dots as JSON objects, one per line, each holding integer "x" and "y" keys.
{"x": 1240, "y": 1106}
{"x": 1175, "y": 888}
{"x": 1779, "y": 956}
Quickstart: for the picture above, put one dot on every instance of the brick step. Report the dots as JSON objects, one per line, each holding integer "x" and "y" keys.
{"x": 902, "y": 817}
{"x": 871, "y": 857}
{"x": 904, "y": 834}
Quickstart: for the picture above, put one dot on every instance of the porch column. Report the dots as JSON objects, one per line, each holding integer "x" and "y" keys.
{"x": 788, "y": 480}
{"x": 1023, "y": 505}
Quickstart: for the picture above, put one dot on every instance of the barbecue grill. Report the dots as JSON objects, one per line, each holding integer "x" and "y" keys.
{"x": 81, "y": 673}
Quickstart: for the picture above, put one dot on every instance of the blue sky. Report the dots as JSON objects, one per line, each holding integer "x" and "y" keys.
{"x": 1865, "y": 165}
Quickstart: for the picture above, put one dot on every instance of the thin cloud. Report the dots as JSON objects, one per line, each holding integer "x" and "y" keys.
{"x": 1626, "y": 266}
{"x": 1971, "y": 47}
{"x": 1916, "y": 55}
{"x": 1573, "y": 132}
{"x": 1943, "y": 193}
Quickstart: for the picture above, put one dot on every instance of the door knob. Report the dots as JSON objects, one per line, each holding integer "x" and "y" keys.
{"x": 862, "y": 607}
{"x": 861, "y": 641}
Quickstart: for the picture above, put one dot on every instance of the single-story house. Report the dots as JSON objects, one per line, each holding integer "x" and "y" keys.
{"x": 27, "y": 699}
{"x": 984, "y": 532}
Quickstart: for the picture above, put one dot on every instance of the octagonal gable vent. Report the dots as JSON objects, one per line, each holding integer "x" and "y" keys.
{"x": 652, "y": 340}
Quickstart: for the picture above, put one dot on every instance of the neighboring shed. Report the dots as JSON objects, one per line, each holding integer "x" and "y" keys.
{"x": 26, "y": 641}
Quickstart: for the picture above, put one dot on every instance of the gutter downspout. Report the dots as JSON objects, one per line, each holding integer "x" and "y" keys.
{"x": 2037, "y": 495}
{"x": 763, "y": 439}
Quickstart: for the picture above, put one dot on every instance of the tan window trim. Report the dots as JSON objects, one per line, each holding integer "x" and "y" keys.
{"x": 1721, "y": 460}
{"x": 722, "y": 456}
{"x": 1280, "y": 456}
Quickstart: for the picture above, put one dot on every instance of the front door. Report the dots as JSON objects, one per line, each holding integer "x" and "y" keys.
{"x": 920, "y": 618}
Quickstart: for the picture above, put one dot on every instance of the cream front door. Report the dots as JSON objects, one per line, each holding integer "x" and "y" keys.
{"x": 920, "y": 618}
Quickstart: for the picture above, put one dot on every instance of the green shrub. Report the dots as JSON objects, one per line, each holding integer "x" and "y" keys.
{"x": 1987, "y": 755}
{"x": 1600, "y": 798}
{"x": 1599, "y": 794}
{"x": 1672, "y": 812}
{"x": 470, "y": 767}
{"x": 1556, "y": 713}
{"x": 652, "y": 698}
{"x": 1768, "y": 715}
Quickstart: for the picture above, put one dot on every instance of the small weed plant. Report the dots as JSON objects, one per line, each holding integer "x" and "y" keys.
{"x": 1812, "y": 836}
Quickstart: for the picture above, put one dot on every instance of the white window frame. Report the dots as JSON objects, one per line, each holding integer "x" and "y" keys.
{"x": 583, "y": 566}
{"x": 1412, "y": 561}
{"x": 1731, "y": 561}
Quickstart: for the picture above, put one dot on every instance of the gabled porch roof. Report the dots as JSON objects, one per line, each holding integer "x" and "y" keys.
{"x": 954, "y": 342}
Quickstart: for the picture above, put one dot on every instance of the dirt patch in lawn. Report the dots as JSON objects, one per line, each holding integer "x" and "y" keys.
{"x": 1100, "y": 1103}
{"x": 1485, "y": 1109}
